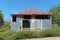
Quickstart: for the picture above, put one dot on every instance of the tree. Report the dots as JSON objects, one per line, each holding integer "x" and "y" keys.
{"x": 1, "y": 19}
{"x": 56, "y": 14}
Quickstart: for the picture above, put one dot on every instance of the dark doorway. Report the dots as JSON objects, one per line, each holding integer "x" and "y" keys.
{"x": 26, "y": 24}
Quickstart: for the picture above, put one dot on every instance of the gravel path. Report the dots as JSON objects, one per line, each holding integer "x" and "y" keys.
{"x": 48, "y": 38}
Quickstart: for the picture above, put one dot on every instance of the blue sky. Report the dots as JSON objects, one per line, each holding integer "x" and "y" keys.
{"x": 11, "y": 6}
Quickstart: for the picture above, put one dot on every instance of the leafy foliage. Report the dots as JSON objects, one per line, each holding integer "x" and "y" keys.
{"x": 56, "y": 14}
{"x": 25, "y": 34}
{"x": 2, "y": 37}
{"x": 1, "y": 19}
{"x": 55, "y": 26}
{"x": 5, "y": 27}
{"x": 46, "y": 33}
{"x": 9, "y": 35}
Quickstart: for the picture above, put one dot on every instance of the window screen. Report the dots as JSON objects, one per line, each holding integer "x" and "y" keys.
{"x": 42, "y": 17}
{"x": 14, "y": 18}
{"x": 27, "y": 16}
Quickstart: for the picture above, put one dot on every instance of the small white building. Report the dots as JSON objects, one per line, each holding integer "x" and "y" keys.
{"x": 31, "y": 19}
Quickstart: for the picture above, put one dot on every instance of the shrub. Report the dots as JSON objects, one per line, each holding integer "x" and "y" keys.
{"x": 4, "y": 28}
{"x": 2, "y": 37}
{"x": 35, "y": 34}
{"x": 50, "y": 32}
{"x": 55, "y": 26}
{"x": 46, "y": 33}
{"x": 55, "y": 32}
{"x": 25, "y": 34}
{"x": 8, "y": 33}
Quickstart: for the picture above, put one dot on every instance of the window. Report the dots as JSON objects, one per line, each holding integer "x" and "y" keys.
{"x": 14, "y": 18}
{"x": 42, "y": 17}
{"x": 27, "y": 16}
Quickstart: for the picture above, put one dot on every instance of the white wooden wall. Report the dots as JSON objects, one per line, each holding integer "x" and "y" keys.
{"x": 15, "y": 26}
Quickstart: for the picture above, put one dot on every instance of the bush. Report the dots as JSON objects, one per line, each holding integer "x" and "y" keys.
{"x": 8, "y": 33}
{"x": 35, "y": 34}
{"x": 46, "y": 33}
{"x": 2, "y": 37}
{"x": 2, "y": 29}
{"x": 55, "y": 32}
{"x": 55, "y": 26}
{"x": 5, "y": 35}
{"x": 32, "y": 34}
{"x": 25, "y": 34}
{"x": 5, "y": 27}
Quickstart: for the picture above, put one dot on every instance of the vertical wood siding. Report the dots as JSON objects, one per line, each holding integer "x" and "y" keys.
{"x": 32, "y": 24}
{"x": 15, "y": 26}
{"x": 46, "y": 24}
{"x": 36, "y": 24}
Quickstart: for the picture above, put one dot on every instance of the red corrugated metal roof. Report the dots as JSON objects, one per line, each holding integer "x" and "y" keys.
{"x": 30, "y": 12}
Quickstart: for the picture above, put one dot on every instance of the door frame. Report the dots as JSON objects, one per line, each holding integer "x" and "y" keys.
{"x": 23, "y": 24}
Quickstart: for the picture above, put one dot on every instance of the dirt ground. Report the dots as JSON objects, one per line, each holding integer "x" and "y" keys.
{"x": 47, "y": 38}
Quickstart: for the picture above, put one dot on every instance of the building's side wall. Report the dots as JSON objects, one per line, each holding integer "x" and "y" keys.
{"x": 15, "y": 26}
{"x": 46, "y": 24}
